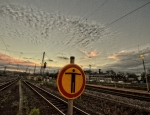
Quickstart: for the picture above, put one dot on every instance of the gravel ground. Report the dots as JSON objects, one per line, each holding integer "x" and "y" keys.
{"x": 9, "y": 101}
{"x": 134, "y": 102}
{"x": 32, "y": 100}
{"x": 106, "y": 107}
{"x": 113, "y": 105}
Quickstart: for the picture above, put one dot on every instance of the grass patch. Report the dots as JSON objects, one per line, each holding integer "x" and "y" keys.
{"x": 34, "y": 111}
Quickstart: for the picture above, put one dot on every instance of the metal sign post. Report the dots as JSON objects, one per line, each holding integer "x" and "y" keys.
{"x": 70, "y": 101}
{"x": 71, "y": 83}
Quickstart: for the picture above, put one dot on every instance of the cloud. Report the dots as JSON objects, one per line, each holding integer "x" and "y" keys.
{"x": 50, "y": 60}
{"x": 90, "y": 54}
{"x": 114, "y": 56}
{"x": 62, "y": 57}
{"x": 128, "y": 61}
{"x": 45, "y": 25}
{"x": 124, "y": 55}
{"x": 5, "y": 59}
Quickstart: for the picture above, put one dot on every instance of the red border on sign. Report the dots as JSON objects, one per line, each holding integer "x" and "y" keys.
{"x": 60, "y": 86}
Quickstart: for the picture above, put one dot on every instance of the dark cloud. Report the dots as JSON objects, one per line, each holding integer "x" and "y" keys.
{"x": 62, "y": 57}
{"x": 50, "y": 60}
{"x": 129, "y": 61}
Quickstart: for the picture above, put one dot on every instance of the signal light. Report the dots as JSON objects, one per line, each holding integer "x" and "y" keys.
{"x": 45, "y": 65}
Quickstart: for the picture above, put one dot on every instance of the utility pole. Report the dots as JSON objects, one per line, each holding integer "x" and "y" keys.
{"x": 90, "y": 68}
{"x": 26, "y": 69}
{"x": 41, "y": 71}
{"x": 34, "y": 69}
{"x": 44, "y": 66}
{"x": 4, "y": 69}
{"x": 142, "y": 56}
{"x": 89, "y": 72}
{"x": 18, "y": 67}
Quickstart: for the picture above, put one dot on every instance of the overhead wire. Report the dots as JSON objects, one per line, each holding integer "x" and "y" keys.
{"x": 120, "y": 18}
{"x": 24, "y": 52}
{"x": 126, "y": 15}
{"x": 97, "y": 9}
{"x": 50, "y": 58}
{"x": 108, "y": 25}
{"x": 82, "y": 21}
{"x": 86, "y": 20}
{"x": 5, "y": 46}
{"x": 134, "y": 56}
{"x": 126, "y": 53}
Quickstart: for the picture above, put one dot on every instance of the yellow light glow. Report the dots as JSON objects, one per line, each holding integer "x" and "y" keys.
{"x": 142, "y": 56}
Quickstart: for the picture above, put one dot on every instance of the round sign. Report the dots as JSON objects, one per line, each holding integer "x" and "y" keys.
{"x": 71, "y": 81}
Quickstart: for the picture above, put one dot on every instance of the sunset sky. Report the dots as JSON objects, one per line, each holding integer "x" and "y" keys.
{"x": 106, "y": 34}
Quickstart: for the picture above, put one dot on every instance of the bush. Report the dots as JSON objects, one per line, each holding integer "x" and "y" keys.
{"x": 34, "y": 111}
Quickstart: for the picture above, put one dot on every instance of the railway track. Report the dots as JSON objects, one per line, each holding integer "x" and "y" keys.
{"x": 7, "y": 84}
{"x": 59, "y": 104}
{"x": 132, "y": 95}
{"x": 9, "y": 98}
{"x": 106, "y": 105}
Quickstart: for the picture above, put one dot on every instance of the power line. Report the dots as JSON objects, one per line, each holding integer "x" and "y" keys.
{"x": 5, "y": 46}
{"x": 24, "y": 52}
{"x": 126, "y": 15}
{"x": 102, "y": 29}
{"x": 97, "y": 8}
{"x": 85, "y": 20}
{"x": 106, "y": 26}
{"x": 52, "y": 60}
{"x": 94, "y": 11}
{"x": 134, "y": 46}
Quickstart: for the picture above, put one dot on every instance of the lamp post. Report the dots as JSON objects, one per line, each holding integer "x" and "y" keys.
{"x": 89, "y": 72}
{"x": 142, "y": 56}
{"x": 26, "y": 69}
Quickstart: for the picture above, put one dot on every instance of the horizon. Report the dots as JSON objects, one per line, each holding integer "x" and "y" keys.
{"x": 106, "y": 34}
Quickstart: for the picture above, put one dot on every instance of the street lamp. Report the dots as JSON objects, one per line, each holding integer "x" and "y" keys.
{"x": 142, "y": 57}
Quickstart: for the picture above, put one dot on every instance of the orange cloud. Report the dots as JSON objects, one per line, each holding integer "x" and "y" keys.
{"x": 90, "y": 54}
{"x": 114, "y": 56}
{"x": 6, "y": 58}
{"x": 94, "y": 53}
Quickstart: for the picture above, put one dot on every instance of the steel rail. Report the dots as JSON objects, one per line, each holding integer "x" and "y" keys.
{"x": 59, "y": 104}
{"x": 132, "y": 95}
{"x": 8, "y": 84}
{"x": 96, "y": 99}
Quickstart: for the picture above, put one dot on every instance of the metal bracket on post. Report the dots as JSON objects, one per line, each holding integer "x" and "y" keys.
{"x": 72, "y": 59}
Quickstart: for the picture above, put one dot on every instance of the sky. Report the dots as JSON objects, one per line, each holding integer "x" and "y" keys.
{"x": 106, "y": 34}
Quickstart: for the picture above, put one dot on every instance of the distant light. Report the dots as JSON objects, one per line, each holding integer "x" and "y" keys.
{"x": 142, "y": 56}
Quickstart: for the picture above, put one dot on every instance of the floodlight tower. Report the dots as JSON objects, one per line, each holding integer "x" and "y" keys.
{"x": 142, "y": 57}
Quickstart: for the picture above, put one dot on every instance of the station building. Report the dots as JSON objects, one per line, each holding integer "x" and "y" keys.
{"x": 99, "y": 78}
